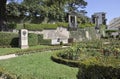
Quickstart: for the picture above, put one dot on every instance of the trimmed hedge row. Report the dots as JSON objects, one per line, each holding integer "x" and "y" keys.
{"x": 98, "y": 72}
{"x": 12, "y": 39}
{"x": 44, "y": 26}
{"x": 8, "y": 39}
{"x": 37, "y": 39}
{"x": 36, "y": 50}
{"x": 60, "y": 60}
{"x": 32, "y": 39}
{"x": 90, "y": 71}
{"x": 42, "y": 41}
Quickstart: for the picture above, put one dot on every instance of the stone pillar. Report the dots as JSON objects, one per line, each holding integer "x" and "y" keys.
{"x": 87, "y": 35}
{"x": 103, "y": 33}
{"x": 23, "y": 39}
{"x": 75, "y": 21}
{"x": 69, "y": 20}
{"x": 72, "y": 21}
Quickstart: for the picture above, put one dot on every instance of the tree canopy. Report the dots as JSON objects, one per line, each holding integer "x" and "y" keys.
{"x": 44, "y": 10}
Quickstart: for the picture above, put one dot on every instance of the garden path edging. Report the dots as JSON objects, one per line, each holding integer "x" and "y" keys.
{"x": 7, "y": 56}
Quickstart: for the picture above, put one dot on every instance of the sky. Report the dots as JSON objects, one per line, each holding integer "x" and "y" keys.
{"x": 110, "y": 7}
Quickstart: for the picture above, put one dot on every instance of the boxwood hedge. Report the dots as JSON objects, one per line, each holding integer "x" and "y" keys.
{"x": 91, "y": 70}
{"x": 98, "y": 72}
{"x": 43, "y": 41}
{"x": 32, "y": 39}
{"x": 8, "y": 39}
{"x": 45, "y": 26}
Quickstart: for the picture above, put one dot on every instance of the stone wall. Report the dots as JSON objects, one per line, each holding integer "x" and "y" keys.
{"x": 62, "y": 34}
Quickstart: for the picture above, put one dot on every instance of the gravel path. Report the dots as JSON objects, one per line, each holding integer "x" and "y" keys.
{"x": 7, "y": 56}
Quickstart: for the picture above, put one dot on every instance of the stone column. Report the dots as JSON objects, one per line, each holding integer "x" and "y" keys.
{"x": 69, "y": 19}
{"x": 87, "y": 35}
{"x": 23, "y": 39}
{"x": 75, "y": 21}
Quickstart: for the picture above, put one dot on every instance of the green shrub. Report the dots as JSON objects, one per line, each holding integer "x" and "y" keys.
{"x": 44, "y": 26}
{"x": 60, "y": 60}
{"x": 90, "y": 53}
{"x": 62, "y": 24}
{"x": 33, "y": 27}
{"x": 43, "y": 41}
{"x": 12, "y": 25}
{"x": 98, "y": 72}
{"x": 49, "y": 26}
{"x": 32, "y": 39}
{"x": 86, "y": 25}
{"x": 36, "y": 50}
{"x": 8, "y": 39}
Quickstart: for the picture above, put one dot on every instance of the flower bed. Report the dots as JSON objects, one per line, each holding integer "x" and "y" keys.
{"x": 95, "y": 62}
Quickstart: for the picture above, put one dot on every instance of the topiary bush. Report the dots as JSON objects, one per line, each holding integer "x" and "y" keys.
{"x": 8, "y": 39}
{"x": 32, "y": 39}
{"x": 98, "y": 72}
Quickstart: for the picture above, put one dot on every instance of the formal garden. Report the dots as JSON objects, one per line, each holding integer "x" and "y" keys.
{"x": 26, "y": 31}
{"x": 95, "y": 59}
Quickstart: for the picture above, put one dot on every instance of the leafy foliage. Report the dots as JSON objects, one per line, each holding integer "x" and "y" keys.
{"x": 12, "y": 25}
{"x": 98, "y": 72}
{"x": 8, "y": 39}
{"x": 32, "y": 39}
{"x": 90, "y": 53}
{"x": 43, "y": 41}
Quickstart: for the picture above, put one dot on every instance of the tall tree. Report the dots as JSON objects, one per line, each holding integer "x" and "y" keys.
{"x": 3, "y": 15}
{"x": 75, "y": 5}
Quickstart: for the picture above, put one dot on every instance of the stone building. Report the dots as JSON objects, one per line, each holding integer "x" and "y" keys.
{"x": 114, "y": 24}
{"x": 72, "y": 20}
{"x": 98, "y": 19}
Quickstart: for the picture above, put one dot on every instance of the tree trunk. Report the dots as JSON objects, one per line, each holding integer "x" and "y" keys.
{"x": 3, "y": 15}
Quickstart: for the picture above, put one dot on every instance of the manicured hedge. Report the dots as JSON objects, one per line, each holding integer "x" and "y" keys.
{"x": 43, "y": 41}
{"x": 32, "y": 39}
{"x": 8, "y": 39}
{"x": 58, "y": 59}
{"x": 36, "y": 50}
{"x": 86, "y": 25}
{"x": 98, "y": 72}
{"x": 91, "y": 71}
{"x": 45, "y": 26}
{"x": 37, "y": 39}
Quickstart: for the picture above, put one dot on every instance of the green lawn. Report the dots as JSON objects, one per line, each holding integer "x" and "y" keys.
{"x": 39, "y": 66}
{"x": 4, "y": 51}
